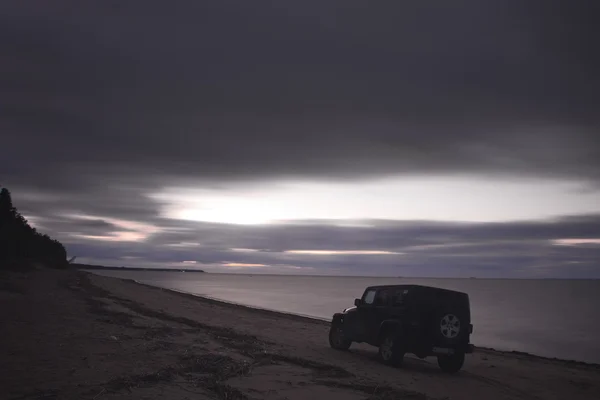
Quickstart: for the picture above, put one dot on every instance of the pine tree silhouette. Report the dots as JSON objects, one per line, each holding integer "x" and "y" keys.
{"x": 19, "y": 242}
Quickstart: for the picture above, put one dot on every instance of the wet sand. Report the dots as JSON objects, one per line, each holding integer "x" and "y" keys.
{"x": 73, "y": 335}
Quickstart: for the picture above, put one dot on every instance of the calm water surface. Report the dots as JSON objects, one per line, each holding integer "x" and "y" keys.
{"x": 553, "y": 318}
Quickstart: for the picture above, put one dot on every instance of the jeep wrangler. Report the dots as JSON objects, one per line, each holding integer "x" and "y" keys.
{"x": 399, "y": 319}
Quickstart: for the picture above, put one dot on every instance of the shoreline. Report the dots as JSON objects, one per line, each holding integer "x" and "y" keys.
{"x": 324, "y": 321}
{"x": 209, "y": 299}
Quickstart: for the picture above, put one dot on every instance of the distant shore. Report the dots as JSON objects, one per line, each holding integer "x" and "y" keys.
{"x": 113, "y": 338}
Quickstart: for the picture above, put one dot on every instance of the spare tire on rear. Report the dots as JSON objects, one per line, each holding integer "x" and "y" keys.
{"x": 449, "y": 326}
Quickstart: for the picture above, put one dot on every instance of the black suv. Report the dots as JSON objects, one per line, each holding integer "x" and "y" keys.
{"x": 400, "y": 319}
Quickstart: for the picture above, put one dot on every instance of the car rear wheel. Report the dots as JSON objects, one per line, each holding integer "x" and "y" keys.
{"x": 337, "y": 340}
{"x": 390, "y": 349}
{"x": 451, "y": 363}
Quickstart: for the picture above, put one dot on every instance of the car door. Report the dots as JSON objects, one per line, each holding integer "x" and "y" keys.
{"x": 363, "y": 315}
{"x": 380, "y": 312}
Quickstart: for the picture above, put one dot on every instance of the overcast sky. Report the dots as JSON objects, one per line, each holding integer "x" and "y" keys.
{"x": 326, "y": 137}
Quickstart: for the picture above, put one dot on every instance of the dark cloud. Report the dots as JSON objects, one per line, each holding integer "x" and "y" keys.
{"x": 95, "y": 225}
{"x": 226, "y": 90}
{"x": 100, "y": 199}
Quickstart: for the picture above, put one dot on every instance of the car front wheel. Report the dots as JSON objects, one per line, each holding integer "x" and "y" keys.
{"x": 452, "y": 363}
{"x": 337, "y": 339}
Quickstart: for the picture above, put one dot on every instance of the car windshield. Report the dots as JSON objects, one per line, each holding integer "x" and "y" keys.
{"x": 369, "y": 297}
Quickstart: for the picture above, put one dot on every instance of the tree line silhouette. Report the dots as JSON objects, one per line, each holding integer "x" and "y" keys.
{"x": 21, "y": 243}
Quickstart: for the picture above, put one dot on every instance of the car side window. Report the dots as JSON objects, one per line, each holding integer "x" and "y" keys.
{"x": 398, "y": 297}
{"x": 382, "y": 298}
{"x": 369, "y": 297}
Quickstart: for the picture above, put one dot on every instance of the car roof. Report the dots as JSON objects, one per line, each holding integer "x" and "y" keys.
{"x": 412, "y": 287}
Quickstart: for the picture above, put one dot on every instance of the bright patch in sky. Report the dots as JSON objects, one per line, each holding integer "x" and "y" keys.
{"x": 575, "y": 242}
{"x": 243, "y": 265}
{"x": 468, "y": 199}
{"x": 184, "y": 244}
{"x": 341, "y": 252}
{"x": 116, "y": 236}
{"x": 241, "y": 250}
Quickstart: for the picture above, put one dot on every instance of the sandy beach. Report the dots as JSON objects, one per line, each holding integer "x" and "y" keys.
{"x": 74, "y": 335}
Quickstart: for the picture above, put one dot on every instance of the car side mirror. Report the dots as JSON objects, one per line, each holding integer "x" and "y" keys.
{"x": 357, "y": 302}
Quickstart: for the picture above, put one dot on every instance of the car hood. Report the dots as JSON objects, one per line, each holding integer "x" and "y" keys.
{"x": 349, "y": 309}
